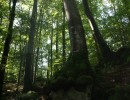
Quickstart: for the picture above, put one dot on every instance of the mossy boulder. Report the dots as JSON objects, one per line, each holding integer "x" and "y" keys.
{"x": 83, "y": 81}
{"x": 71, "y": 94}
{"x": 59, "y": 83}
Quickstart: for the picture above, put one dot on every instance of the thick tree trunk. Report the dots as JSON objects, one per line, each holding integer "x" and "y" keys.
{"x": 77, "y": 36}
{"x": 7, "y": 46}
{"x": 77, "y": 65}
{"x": 28, "y": 79}
{"x": 105, "y": 50}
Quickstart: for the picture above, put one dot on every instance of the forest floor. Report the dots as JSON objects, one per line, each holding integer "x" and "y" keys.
{"x": 10, "y": 90}
{"x": 10, "y": 93}
{"x": 120, "y": 76}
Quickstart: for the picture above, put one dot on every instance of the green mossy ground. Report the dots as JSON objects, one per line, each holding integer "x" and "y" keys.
{"x": 75, "y": 74}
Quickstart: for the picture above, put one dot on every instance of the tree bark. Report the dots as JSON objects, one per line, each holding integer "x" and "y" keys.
{"x": 38, "y": 39}
{"x": 20, "y": 65}
{"x": 104, "y": 48}
{"x": 51, "y": 51}
{"x": 57, "y": 39}
{"x": 76, "y": 32}
{"x": 7, "y": 46}
{"x": 28, "y": 78}
{"x": 63, "y": 37}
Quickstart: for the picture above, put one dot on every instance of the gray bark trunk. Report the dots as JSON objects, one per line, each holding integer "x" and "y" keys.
{"x": 28, "y": 79}
{"x": 77, "y": 36}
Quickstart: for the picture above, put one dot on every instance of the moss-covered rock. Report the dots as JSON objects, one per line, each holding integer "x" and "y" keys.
{"x": 70, "y": 94}
{"x": 59, "y": 83}
{"x": 83, "y": 81}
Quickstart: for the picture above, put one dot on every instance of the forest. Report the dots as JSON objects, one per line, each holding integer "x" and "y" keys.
{"x": 64, "y": 49}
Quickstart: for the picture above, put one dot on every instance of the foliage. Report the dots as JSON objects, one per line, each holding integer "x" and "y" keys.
{"x": 113, "y": 20}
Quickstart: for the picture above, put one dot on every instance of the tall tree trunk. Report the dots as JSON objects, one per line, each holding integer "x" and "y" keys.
{"x": 28, "y": 79}
{"x": 1, "y": 18}
{"x": 48, "y": 63}
{"x": 57, "y": 39}
{"x": 51, "y": 51}
{"x": 63, "y": 36}
{"x": 38, "y": 39}
{"x": 104, "y": 48}
{"x": 7, "y": 46}
{"x": 77, "y": 36}
{"x": 20, "y": 67}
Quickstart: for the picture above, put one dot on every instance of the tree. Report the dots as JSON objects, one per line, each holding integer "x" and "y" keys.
{"x": 7, "y": 46}
{"x": 38, "y": 39}
{"x": 127, "y": 7}
{"x": 51, "y": 49}
{"x": 63, "y": 36}
{"x": 28, "y": 78}
{"x": 77, "y": 36}
{"x": 104, "y": 48}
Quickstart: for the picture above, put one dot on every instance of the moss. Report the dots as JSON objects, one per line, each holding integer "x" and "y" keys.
{"x": 83, "y": 81}
{"x": 72, "y": 70}
{"x": 71, "y": 74}
{"x": 75, "y": 67}
{"x": 59, "y": 83}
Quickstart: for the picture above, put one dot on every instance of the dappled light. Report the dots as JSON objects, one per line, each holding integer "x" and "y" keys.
{"x": 64, "y": 49}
